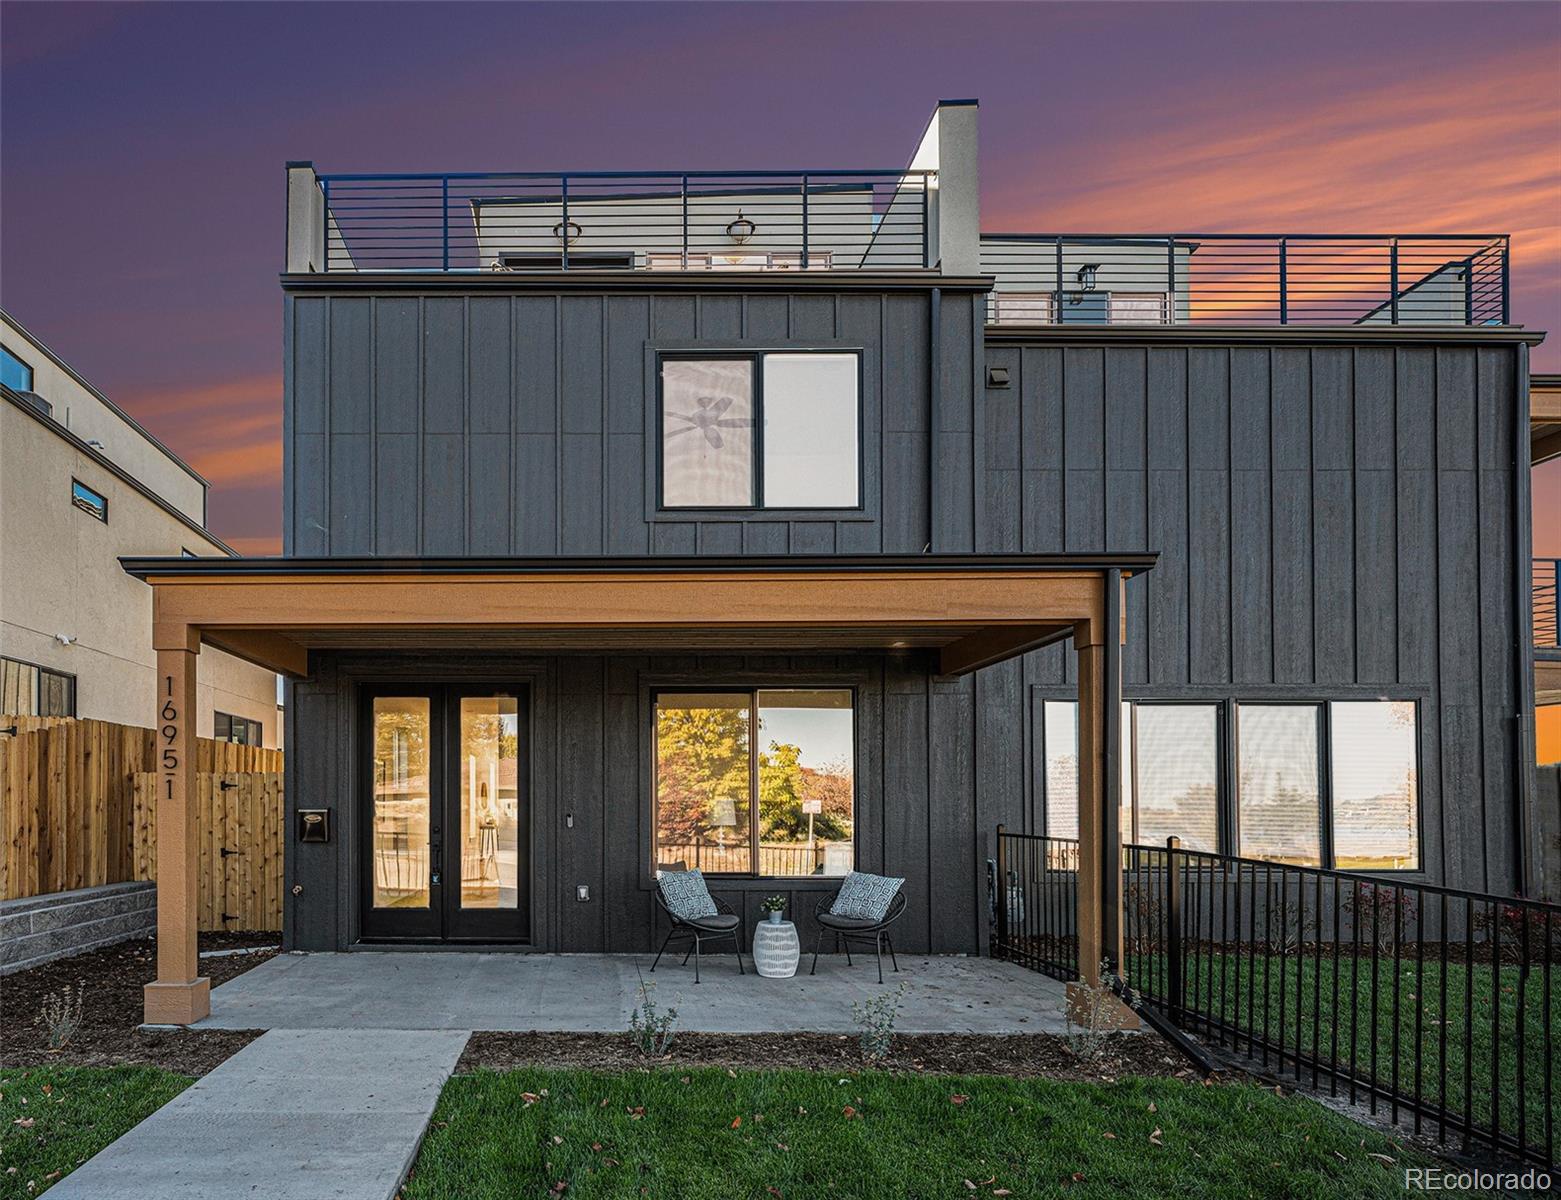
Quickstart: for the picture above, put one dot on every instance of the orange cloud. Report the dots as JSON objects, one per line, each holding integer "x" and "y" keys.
{"x": 229, "y": 430}
{"x": 1422, "y": 152}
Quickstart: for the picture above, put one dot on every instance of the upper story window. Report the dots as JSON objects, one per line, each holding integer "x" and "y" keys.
{"x": 772, "y": 430}
{"x": 14, "y": 372}
{"x": 88, "y": 500}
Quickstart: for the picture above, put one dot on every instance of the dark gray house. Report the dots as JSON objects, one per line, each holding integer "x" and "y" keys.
{"x": 784, "y": 523}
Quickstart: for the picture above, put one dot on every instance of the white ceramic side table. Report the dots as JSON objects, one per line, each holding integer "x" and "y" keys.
{"x": 776, "y": 949}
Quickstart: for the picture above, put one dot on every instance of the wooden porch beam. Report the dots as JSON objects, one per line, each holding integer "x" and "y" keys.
{"x": 986, "y": 646}
{"x": 960, "y": 602}
{"x": 265, "y": 649}
{"x": 179, "y": 995}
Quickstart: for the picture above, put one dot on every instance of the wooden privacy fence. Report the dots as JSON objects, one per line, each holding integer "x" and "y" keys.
{"x": 68, "y": 811}
{"x": 238, "y": 829}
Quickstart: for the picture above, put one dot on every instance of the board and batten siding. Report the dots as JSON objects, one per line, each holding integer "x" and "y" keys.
{"x": 1332, "y": 522}
{"x": 524, "y": 424}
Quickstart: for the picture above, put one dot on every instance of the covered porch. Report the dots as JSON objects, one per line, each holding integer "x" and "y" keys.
{"x": 957, "y": 612}
{"x": 595, "y": 993}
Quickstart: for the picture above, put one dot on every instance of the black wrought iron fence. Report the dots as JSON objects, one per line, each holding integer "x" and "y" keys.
{"x": 1032, "y": 888}
{"x": 1432, "y": 1006}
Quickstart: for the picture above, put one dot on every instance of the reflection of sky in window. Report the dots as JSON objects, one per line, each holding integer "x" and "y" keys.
{"x": 1373, "y": 748}
{"x": 823, "y": 735}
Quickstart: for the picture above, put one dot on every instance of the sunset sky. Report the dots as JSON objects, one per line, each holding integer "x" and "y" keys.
{"x": 142, "y": 147}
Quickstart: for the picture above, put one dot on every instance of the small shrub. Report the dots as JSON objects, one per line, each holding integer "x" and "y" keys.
{"x": 1378, "y": 909}
{"x": 650, "y": 1028}
{"x": 61, "y": 1014}
{"x": 1102, "y": 1006}
{"x": 876, "y": 1016}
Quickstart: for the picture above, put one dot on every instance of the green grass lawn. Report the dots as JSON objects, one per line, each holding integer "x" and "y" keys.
{"x": 709, "y": 1134}
{"x": 52, "y": 1119}
{"x": 1422, "y": 1030}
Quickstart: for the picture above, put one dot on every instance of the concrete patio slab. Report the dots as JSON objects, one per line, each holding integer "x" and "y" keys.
{"x": 584, "y": 993}
{"x": 295, "y": 1115}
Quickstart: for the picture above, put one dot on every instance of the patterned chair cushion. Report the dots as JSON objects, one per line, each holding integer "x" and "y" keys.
{"x": 686, "y": 894}
{"x": 865, "y": 897}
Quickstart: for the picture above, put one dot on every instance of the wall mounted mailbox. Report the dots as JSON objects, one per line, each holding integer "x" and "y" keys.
{"x": 314, "y": 824}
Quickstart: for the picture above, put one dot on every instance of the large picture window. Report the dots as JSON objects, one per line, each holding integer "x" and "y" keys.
{"x": 1324, "y": 783}
{"x": 757, "y": 782}
{"x": 774, "y": 430}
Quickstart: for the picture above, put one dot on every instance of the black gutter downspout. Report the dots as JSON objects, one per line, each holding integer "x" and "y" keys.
{"x": 1523, "y": 601}
{"x": 934, "y": 403}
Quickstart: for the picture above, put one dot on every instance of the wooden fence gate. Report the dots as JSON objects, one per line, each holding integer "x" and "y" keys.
{"x": 238, "y": 824}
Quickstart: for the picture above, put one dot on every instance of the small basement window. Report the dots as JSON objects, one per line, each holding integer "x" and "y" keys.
{"x": 88, "y": 500}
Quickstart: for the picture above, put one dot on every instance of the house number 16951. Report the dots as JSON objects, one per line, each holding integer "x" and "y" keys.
{"x": 170, "y": 732}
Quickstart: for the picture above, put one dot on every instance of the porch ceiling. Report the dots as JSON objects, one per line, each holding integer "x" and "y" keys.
{"x": 974, "y": 609}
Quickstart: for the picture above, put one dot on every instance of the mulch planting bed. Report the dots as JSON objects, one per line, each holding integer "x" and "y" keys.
{"x": 111, "y": 980}
{"x": 1027, "y": 1055}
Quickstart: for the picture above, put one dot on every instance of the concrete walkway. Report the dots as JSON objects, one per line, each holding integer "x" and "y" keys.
{"x": 296, "y": 1115}
{"x": 332, "y": 1102}
{"x": 594, "y": 993}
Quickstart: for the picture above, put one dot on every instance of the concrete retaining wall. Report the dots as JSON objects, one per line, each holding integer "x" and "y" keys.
{"x": 39, "y": 928}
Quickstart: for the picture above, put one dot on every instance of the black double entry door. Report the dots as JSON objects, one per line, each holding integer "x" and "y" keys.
{"x": 445, "y": 848}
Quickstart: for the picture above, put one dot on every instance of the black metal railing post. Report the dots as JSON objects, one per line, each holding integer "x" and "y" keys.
{"x": 1468, "y": 290}
{"x": 563, "y": 224}
{"x": 804, "y": 222}
{"x": 1284, "y": 281}
{"x": 444, "y": 220}
{"x": 325, "y": 218}
{"x": 685, "y": 222}
{"x": 1175, "y": 982}
{"x": 1170, "y": 278}
{"x": 1506, "y": 280}
{"x": 1393, "y": 277}
{"x": 926, "y": 222}
{"x": 1002, "y": 887}
{"x": 1057, "y": 295}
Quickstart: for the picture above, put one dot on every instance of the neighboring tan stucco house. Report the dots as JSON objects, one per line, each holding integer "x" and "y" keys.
{"x": 81, "y": 484}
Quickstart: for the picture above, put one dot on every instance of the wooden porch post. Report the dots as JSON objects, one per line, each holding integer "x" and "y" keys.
{"x": 1098, "y": 645}
{"x": 179, "y": 995}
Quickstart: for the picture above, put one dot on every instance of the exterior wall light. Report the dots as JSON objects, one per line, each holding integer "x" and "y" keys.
{"x": 741, "y": 229}
{"x": 568, "y": 232}
{"x": 1087, "y": 276}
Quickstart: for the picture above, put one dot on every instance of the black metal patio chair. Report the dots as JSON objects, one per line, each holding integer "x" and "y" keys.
{"x": 861, "y": 931}
{"x": 719, "y": 926}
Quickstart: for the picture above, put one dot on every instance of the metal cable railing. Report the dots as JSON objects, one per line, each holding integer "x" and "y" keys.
{"x": 1547, "y": 628}
{"x": 1247, "y": 279}
{"x": 656, "y": 220}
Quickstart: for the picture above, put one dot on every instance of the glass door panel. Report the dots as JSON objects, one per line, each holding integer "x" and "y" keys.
{"x": 402, "y": 803}
{"x": 489, "y": 816}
